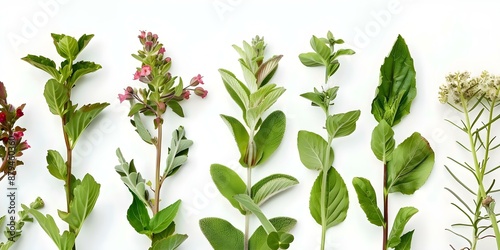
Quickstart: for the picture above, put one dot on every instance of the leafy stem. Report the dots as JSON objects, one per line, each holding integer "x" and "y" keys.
{"x": 158, "y": 180}
{"x": 386, "y": 209}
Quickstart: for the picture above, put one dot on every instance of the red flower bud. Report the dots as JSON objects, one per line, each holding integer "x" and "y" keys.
{"x": 199, "y": 91}
{"x": 3, "y": 117}
{"x": 19, "y": 113}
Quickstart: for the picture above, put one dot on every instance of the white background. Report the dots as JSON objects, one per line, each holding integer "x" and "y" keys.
{"x": 443, "y": 37}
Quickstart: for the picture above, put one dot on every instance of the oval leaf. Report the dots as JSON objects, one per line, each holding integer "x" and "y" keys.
{"x": 270, "y": 135}
{"x": 221, "y": 234}
{"x": 311, "y": 59}
{"x": 229, "y": 184}
{"x": 170, "y": 243}
{"x": 239, "y": 132}
{"x": 403, "y": 216}
{"x": 312, "y": 149}
{"x": 383, "y": 141}
{"x": 56, "y": 95}
{"x": 270, "y": 186}
{"x": 163, "y": 218}
{"x": 368, "y": 200}
{"x": 342, "y": 124}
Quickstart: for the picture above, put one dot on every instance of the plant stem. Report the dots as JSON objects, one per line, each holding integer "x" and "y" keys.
{"x": 386, "y": 210}
{"x": 324, "y": 194}
{"x": 250, "y": 164}
{"x": 158, "y": 180}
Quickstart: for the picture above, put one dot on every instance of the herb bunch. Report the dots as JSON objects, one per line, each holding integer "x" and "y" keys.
{"x": 476, "y": 99}
{"x": 329, "y": 199}
{"x": 257, "y": 137}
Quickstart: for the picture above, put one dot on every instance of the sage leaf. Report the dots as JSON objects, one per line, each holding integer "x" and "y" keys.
{"x": 368, "y": 200}
{"x": 178, "y": 151}
{"x": 44, "y": 64}
{"x": 170, "y": 243}
{"x": 250, "y": 77}
{"x": 56, "y": 165}
{"x": 383, "y": 142}
{"x": 81, "y": 119}
{"x": 141, "y": 129}
{"x": 250, "y": 205}
{"x": 56, "y": 95}
{"x": 270, "y": 135}
{"x": 405, "y": 243}
{"x": 258, "y": 240}
{"x": 402, "y": 218}
{"x": 229, "y": 184}
{"x": 137, "y": 215}
{"x": 270, "y": 186}
{"x": 342, "y": 124}
{"x": 221, "y": 234}
{"x": 267, "y": 70}
{"x": 239, "y": 132}
{"x": 312, "y": 149}
{"x": 236, "y": 89}
{"x": 131, "y": 178}
{"x": 267, "y": 96}
{"x": 163, "y": 218}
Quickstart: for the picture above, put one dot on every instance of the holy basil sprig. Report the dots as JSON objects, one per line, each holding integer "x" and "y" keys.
{"x": 256, "y": 140}
{"x": 407, "y": 166}
{"x": 161, "y": 91}
{"x": 81, "y": 195}
{"x": 475, "y": 99}
{"x": 329, "y": 199}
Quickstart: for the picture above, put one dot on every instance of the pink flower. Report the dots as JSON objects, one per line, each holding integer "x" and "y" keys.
{"x": 148, "y": 46}
{"x": 199, "y": 91}
{"x": 3, "y": 117}
{"x": 24, "y": 145}
{"x": 186, "y": 94}
{"x": 196, "y": 80}
{"x": 146, "y": 70}
{"x": 142, "y": 35}
{"x": 18, "y": 134}
{"x": 19, "y": 113}
{"x": 137, "y": 75}
{"x": 127, "y": 95}
{"x": 161, "y": 51}
{"x": 168, "y": 59}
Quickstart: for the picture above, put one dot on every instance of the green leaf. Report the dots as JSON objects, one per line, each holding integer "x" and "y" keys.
{"x": 249, "y": 76}
{"x": 85, "y": 197}
{"x": 44, "y": 64}
{"x": 403, "y": 216}
{"x": 83, "y": 41}
{"x": 342, "y": 52}
{"x": 405, "y": 243}
{"x": 258, "y": 241}
{"x": 135, "y": 109}
{"x": 137, "y": 215}
{"x": 221, "y": 234}
{"x": 82, "y": 68}
{"x": 81, "y": 119}
{"x": 67, "y": 241}
{"x": 312, "y": 150}
{"x": 270, "y": 186}
{"x": 239, "y": 132}
{"x": 270, "y": 135}
{"x": 383, "y": 141}
{"x": 368, "y": 200}
{"x": 164, "y": 217}
{"x": 229, "y": 184}
{"x": 342, "y": 124}
{"x": 337, "y": 199}
{"x": 260, "y": 105}
{"x": 332, "y": 67}
{"x": 131, "y": 178}
{"x": 56, "y": 165}
{"x": 170, "y": 243}
{"x": 397, "y": 87}
{"x": 320, "y": 47}
{"x": 236, "y": 89}
{"x": 176, "y": 108}
{"x": 267, "y": 70}
{"x": 311, "y": 59}
{"x": 178, "y": 151}
{"x": 250, "y": 205}
{"x": 411, "y": 165}
{"x": 56, "y": 95}
{"x": 141, "y": 129}
{"x": 66, "y": 46}
{"x": 317, "y": 99}
{"x": 48, "y": 225}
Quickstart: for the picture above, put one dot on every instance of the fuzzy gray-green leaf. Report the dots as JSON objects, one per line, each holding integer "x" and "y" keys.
{"x": 229, "y": 184}
{"x": 221, "y": 234}
{"x": 270, "y": 186}
{"x": 239, "y": 132}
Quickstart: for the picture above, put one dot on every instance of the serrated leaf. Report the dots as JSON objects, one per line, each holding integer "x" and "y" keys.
{"x": 368, "y": 200}
{"x": 56, "y": 165}
{"x": 320, "y": 47}
{"x": 311, "y": 59}
{"x": 397, "y": 87}
{"x": 170, "y": 243}
{"x": 342, "y": 124}
{"x": 85, "y": 197}
{"x": 44, "y": 64}
{"x": 270, "y": 135}
{"x": 239, "y": 132}
{"x": 270, "y": 186}
{"x": 178, "y": 151}
{"x": 403, "y": 216}
{"x": 221, "y": 234}
{"x": 258, "y": 240}
{"x": 131, "y": 178}
{"x": 336, "y": 202}
{"x": 411, "y": 165}
{"x": 82, "y": 68}
{"x": 137, "y": 215}
{"x": 141, "y": 129}
{"x": 229, "y": 184}
{"x": 83, "y": 41}
{"x": 383, "y": 142}
{"x": 56, "y": 95}
{"x": 250, "y": 205}
{"x": 66, "y": 46}
{"x": 312, "y": 149}
{"x": 236, "y": 89}
{"x": 267, "y": 70}
{"x": 405, "y": 243}
{"x": 81, "y": 119}
{"x": 163, "y": 218}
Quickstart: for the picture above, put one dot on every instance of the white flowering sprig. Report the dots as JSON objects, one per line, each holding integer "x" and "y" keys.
{"x": 476, "y": 99}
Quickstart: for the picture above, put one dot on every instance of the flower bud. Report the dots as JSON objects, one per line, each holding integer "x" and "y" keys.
{"x": 196, "y": 80}
{"x": 186, "y": 94}
{"x": 168, "y": 59}
{"x": 199, "y": 91}
{"x": 3, "y": 117}
{"x": 148, "y": 46}
{"x": 37, "y": 204}
{"x": 487, "y": 201}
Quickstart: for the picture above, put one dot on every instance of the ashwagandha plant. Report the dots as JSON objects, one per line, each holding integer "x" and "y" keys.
{"x": 329, "y": 199}
{"x": 256, "y": 140}
{"x": 81, "y": 195}
{"x": 161, "y": 91}
{"x": 11, "y": 149}
{"x": 406, "y": 167}
{"x": 475, "y": 98}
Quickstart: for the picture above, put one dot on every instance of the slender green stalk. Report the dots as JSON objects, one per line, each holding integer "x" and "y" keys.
{"x": 386, "y": 210}
{"x": 158, "y": 181}
{"x": 250, "y": 165}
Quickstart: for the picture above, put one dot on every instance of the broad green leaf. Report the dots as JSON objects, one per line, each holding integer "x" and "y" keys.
{"x": 56, "y": 95}
{"x": 317, "y": 99}
{"x": 279, "y": 240}
{"x": 82, "y": 68}
{"x": 337, "y": 199}
{"x": 236, "y": 89}
{"x": 221, "y": 234}
{"x": 368, "y": 200}
{"x": 137, "y": 215}
{"x": 85, "y": 197}
{"x": 311, "y": 59}
{"x": 66, "y": 46}
{"x": 405, "y": 243}
{"x": 83, "y": 41}
{"x": 141, "y": 129}
{"x": 176, "y": 108}
{"x": 320, "y": 47}
{"x": 48, "y": 225}
{"x": 250, "y": 205}
{"x": 164, "y": 217}
{"x": 397, "y": 87}
{"x": 135, "y": 109}
{"x": 44, "y": 64}
{"x": 342, "y": 124}
{"x": 270, "y": 186}
{"x": 170, "y": 230}
{"x": 131, "y": 178}
{"x": 67, "y": 241}
{"x": 332, "y": 67}
{"x": 178, "y": 151}
{"x": 383, "y": 141}
{"x": 81, "y": 119}
{"x": 267, "y": 70}
{"x": 239, "y": 132}
{"x": 342, "y": 52}
{"x": 250, "y": 77}
{"x": 270, "y": 135}
{"x": 403, "y": 216}
{"x": 312, "y": 149}
{"x": 170, "y": 243}
{"x": 229, "y": 184}
{"x": 56, "y": 165}
{"x": 257, "y": 110}
{"x": 411, "y": 165}
{"x": 258, "y": 241}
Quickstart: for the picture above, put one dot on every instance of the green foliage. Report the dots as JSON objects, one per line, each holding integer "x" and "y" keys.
{"x": 342, "y": 124}
{"x": 221, "y": 234}
{"x": 228, "y": 183}
{"x": 312, "y": 150}
{"x": 170, "y": 243}
{"x": 131, "y": 178}
{"x": 269, "y": 136}
{"x": 56, "y": 96}
{"x": 383, "y": 142}
{"x": 271, "y": 186}
{"x": 177, "y": 152}
{"x": 14, "y": 235}
{"x": 400, "y": 221}
{"x": 368, "y": 200}
{"x": 258, "y": 241}
{"x": 137, "y": 215}
{"x": 81, "y": 119}
{"x": 56, "y": 165}
{"x": 240, "y": 134}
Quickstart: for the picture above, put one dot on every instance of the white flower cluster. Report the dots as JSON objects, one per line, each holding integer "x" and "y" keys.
{"x": 460, "y": 85}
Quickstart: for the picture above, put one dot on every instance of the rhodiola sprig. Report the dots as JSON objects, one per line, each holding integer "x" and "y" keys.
{"x": 329, "y": 199}
{"x": 407, "y": 166}
{"x": 476, "y": 99}
{"x": 160, "y": 92}
{"x": 256, "y": 140}
{"x": 81, "y": 195}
